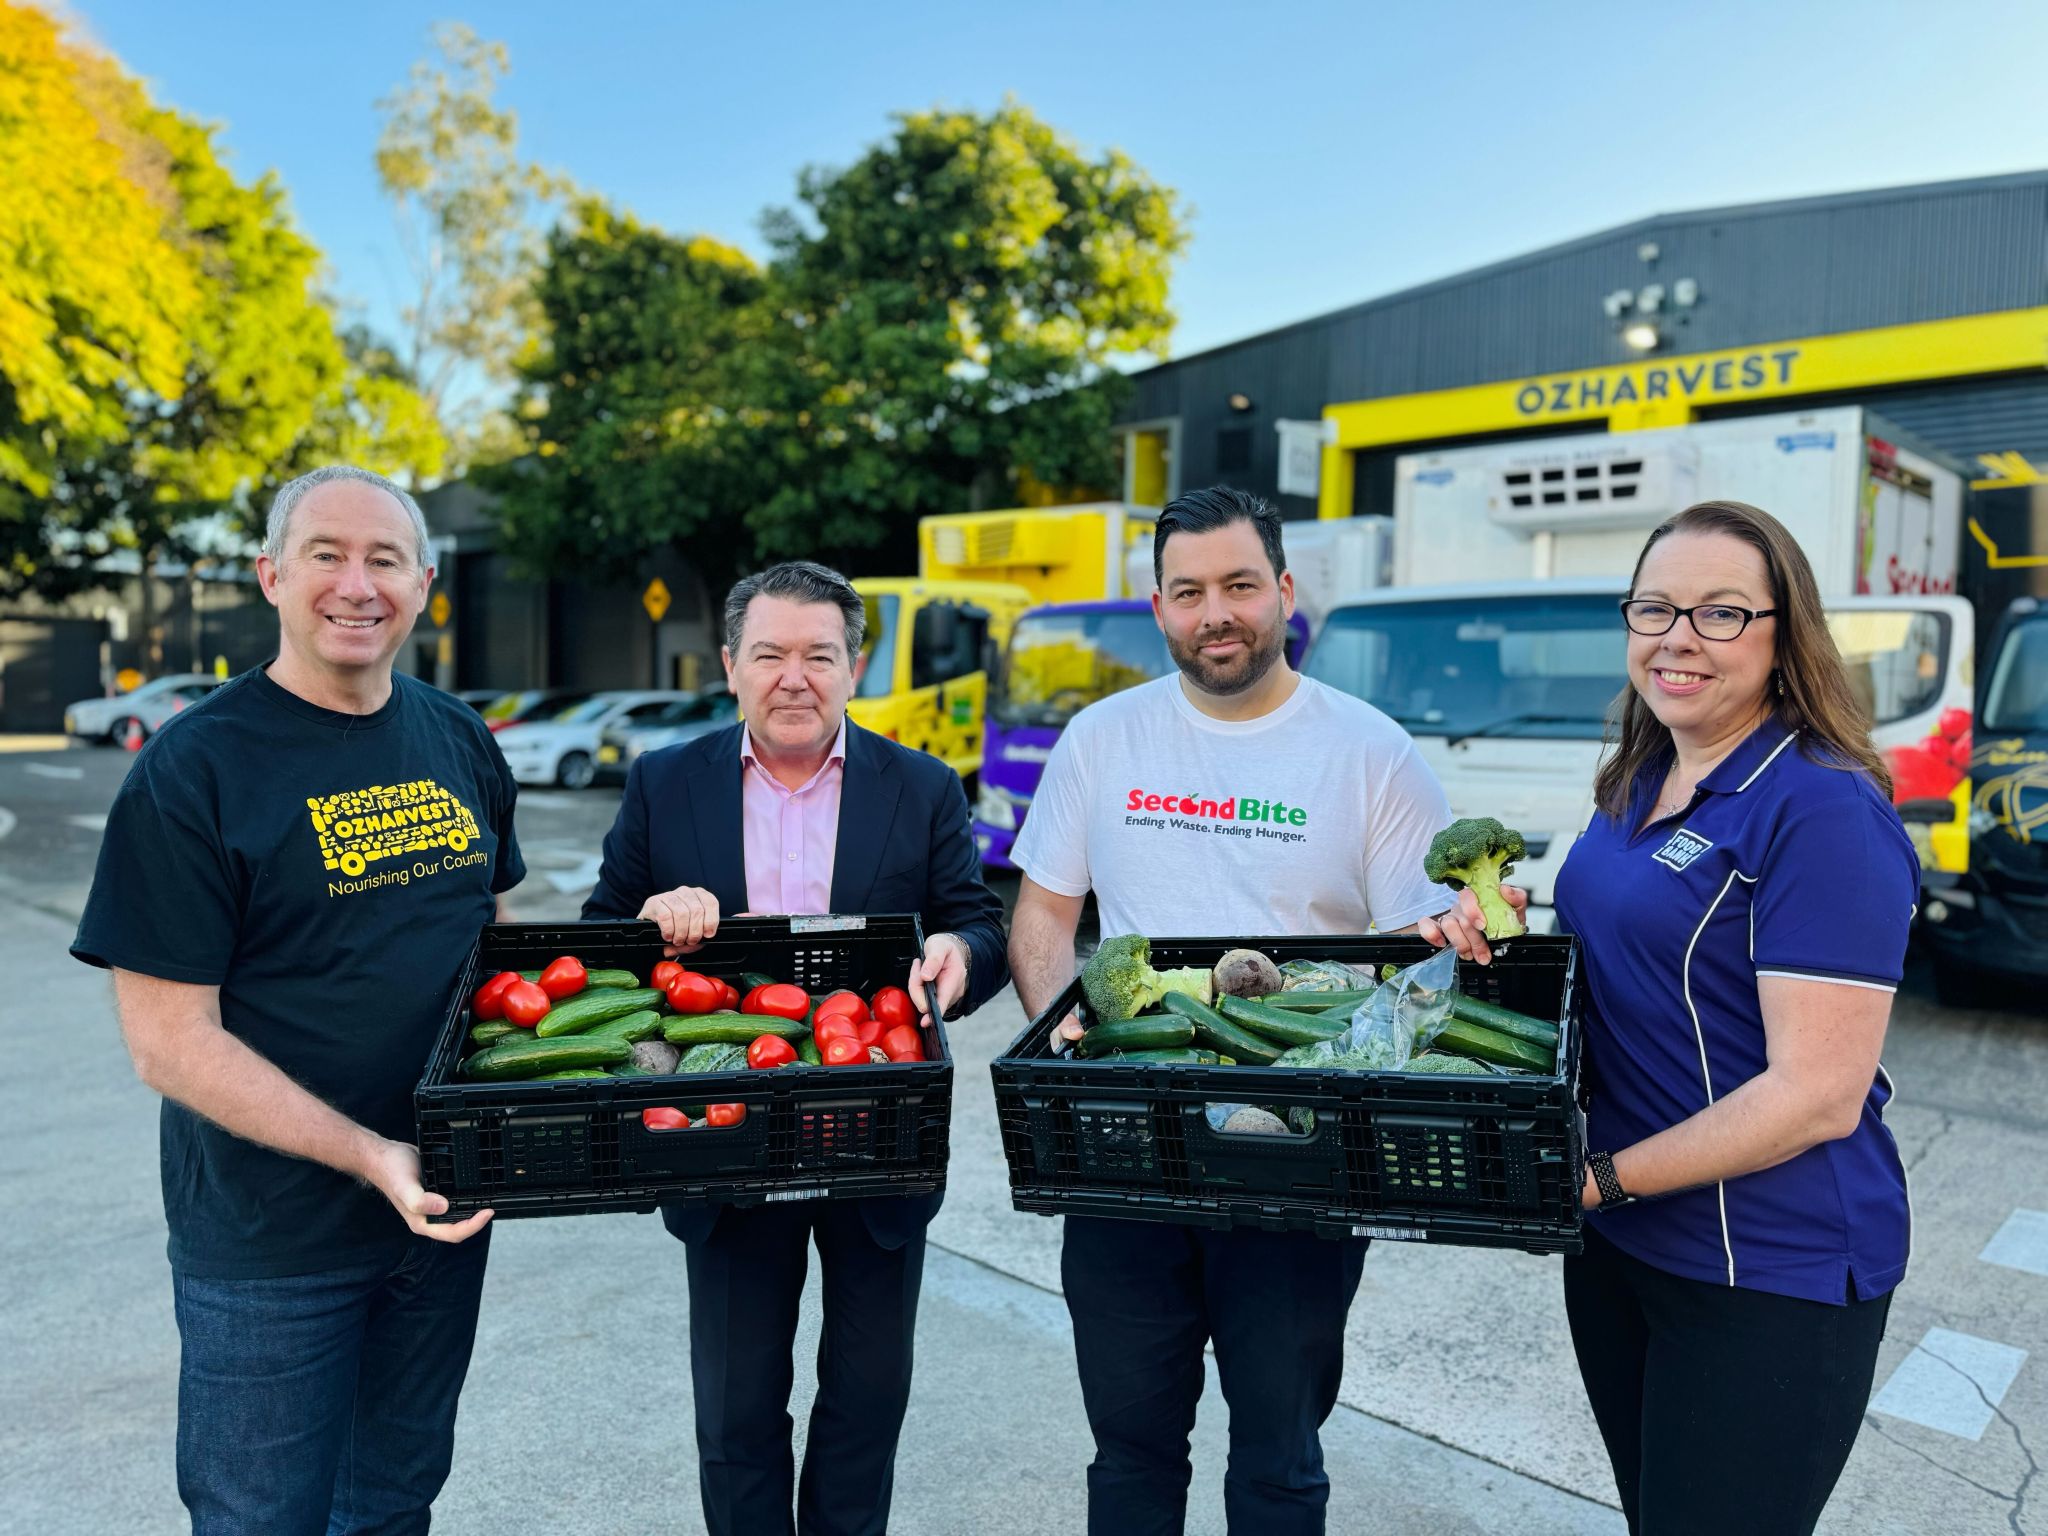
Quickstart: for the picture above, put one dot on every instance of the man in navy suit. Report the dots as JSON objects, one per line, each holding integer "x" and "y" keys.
{"x": 797, "y": 809}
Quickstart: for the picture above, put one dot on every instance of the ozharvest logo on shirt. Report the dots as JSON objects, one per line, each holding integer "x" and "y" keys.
{"x": 1238, "y": 816}
{"x": 1682, "y": 848}
{"x": 392, "y": 822}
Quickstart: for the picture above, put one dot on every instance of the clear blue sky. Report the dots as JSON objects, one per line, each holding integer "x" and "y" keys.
{"x": 1328, "y": 152}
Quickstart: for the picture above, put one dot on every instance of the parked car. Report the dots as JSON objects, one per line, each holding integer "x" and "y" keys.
{"x": 526, "y": 704}
{"x": 618, "y": 746}
{"x": 129, "y": 719}
{"x": 563, "y": 748}
{"x": 480, "y": 699}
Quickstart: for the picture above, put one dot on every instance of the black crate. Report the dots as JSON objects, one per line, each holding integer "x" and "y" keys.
{"x": 575, "y": 1146}
{"x": 1421, "y": 1157}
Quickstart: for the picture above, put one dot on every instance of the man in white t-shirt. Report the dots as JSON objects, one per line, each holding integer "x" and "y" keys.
{"x": 1234, "y": 798}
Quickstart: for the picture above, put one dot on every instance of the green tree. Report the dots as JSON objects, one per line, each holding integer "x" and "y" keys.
{"x": 952, "y": 305}
{"x": 634, "y": 414}
{"x": 470, "y": 216}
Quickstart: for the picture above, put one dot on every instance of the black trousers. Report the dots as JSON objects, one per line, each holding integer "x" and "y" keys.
{"x": 1724, "y": 1409}
{"x": 1145, "y": 1297}
{"x": 746, "y": 1281}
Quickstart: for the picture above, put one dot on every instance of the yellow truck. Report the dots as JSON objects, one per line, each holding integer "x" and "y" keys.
{"x": 933, "y": 638}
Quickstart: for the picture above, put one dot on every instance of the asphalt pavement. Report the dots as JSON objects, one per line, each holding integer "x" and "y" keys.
{"x": 1461, "y": 1409}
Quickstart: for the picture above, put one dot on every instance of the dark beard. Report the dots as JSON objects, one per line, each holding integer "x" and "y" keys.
{"x": 1226, "y": 678}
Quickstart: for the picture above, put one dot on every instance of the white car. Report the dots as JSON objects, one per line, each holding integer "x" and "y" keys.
{"x": 132, "y": 718}
{"x": 562, "y": 749}
{"x": 685, "y": 720}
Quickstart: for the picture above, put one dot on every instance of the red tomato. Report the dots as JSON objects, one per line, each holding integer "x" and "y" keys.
{"x": 834, "y": 1026}
{"x": 724, "y": 1114}
{"x": 870, "y": 1031}
{"x": 893, "y": 1007}
{"x": 664, "y": 973}
{"x": 691, "y": 993}
{"x": 769, "y": 1051}
{"x": 781, "y": 1000}
{"x": 843, "y": 1002}
{"x": 903, "y": 1043}
{"x": 525, "y": 1004}
{"x": 489, "y": 1002}
{"x": 843, "y": 1051}
{"x": 565, "y": 977}
{"x": 664, "y": 1119}
{"x": 728, "y": 995}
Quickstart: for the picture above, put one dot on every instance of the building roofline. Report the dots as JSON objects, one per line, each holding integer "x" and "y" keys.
{"x": 1644, "y": 225}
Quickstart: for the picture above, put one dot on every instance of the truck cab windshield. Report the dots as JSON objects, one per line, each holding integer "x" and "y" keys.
{"x": 1059, "y": 664}
{"x": 1528, "y": 665}
{"x": 2017, "y": 700}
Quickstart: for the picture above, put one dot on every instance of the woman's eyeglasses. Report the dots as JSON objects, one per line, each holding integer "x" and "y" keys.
{"x": 1710, "y": 621}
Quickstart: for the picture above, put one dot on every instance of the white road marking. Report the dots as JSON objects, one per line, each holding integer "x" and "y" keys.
{"x": 581, "y": 878}
{"x": 2022, "y": 1243}
{"x": 6, "y": 821}
{"x": 1952, "y": 1382}
{"x": 89, "y": 823}
{"x": 52, "y": 771}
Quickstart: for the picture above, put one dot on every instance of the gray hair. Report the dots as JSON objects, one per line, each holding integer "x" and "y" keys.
{"x": 801, "y": 581}
{"x": 292, "y": 492}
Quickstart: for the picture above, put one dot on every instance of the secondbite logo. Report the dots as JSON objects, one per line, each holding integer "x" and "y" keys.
{"x": 1238, "y": 816}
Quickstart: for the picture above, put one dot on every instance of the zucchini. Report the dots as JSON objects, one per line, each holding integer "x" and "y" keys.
{"x": 1284, "y": 1024}
{"x": 1151, "y": 1032}
{"x": 595, "y": 979}
{"x": 576, "y": 1013}
{"x": 1504, "y": 1020}
{"x": 1313, "y": 1002}
{"x": 728, "y": 1028}
{"x": 642, "y": 1024}
{"x": 491, "y": 1031}
{"x": 1182, "y": 1054}
{"x": 1219, "y": 1034}
{"x": 510, "y": 1060}
{"x": 1485, "y": 1044}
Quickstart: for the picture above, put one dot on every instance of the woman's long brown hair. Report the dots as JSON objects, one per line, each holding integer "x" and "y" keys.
{"x": 1818, "y": 702}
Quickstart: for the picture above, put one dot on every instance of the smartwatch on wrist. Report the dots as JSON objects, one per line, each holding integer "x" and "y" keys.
{"x": 1607, "y": 1181}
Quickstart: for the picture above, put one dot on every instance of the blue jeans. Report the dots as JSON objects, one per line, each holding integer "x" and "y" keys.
{"x": 324, "y": 1403}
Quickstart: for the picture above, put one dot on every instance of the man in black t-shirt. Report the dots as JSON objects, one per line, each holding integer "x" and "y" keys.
{"x": 290, "y": 878}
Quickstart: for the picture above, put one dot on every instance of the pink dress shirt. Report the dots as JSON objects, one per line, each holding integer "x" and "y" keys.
{"x": 791, "y": 834}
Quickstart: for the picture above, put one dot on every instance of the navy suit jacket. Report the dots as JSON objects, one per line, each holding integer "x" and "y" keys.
{"x": 904, "y": 845}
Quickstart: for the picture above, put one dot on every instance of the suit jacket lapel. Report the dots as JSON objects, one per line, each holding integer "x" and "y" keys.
{"x": 715, "y": 815}
{"x": 868, "y": 792}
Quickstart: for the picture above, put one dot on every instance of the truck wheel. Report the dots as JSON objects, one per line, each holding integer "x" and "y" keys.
{"x": 575, "y": 771}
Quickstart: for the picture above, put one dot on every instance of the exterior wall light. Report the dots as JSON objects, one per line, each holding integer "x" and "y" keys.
{"x": 1641, "y": 335}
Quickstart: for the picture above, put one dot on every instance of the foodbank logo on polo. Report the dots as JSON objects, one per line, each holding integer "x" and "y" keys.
{"x": 361, "y": 827}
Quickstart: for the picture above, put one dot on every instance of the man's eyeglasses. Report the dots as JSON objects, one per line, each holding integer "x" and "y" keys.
{"x": 1710, "y": 621}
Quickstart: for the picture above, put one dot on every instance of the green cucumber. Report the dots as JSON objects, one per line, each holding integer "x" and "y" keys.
{"x": 1504, "y": 1020}
{"x": 1181, "y": 1054}
{"x": 728, "y": 1028}
{"x": 595, "y": 979}
{"x": 807, "y": 1051}
{"x": 1485, "y": 1044}
{"x": 576, "y": 1013}
{"x": 1151, "y": 1032}
{"x": 1284, "y": 1024}
{"x": 1313, "y": 1002}
{"x": 491, "y": 1031}
{"x": 752, "y": 979}
{"x": 644, "y": 1024}
{"x": 1219, "y": 1034}
{"x": 510, "y": 1060}
{"x": 567, "y": 1072}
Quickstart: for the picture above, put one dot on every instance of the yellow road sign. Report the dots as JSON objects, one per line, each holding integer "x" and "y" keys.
{"x": 655, "y": 599}
{"x": 439, "y": 609}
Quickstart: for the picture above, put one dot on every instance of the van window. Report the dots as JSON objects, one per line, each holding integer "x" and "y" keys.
{"x": 1897, "y": 659}
{"x": 2017, "y": 700}
{"x": 879, "y": 680}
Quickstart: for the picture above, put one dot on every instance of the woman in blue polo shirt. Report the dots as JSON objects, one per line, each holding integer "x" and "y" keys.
{"x": 1743, "y": 900}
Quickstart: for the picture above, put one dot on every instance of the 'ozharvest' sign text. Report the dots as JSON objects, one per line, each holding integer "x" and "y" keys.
{"x": 1657, "y": 381}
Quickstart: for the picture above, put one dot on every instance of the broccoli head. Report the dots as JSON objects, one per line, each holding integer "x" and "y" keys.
{"x": 1120, "y": 984}
{"x": 1476, "y": 854}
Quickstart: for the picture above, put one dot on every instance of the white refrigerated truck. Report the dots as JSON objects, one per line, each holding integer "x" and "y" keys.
{"x": 1500, "y": 646}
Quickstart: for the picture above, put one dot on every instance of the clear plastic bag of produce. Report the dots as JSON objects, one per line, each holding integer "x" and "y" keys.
{"x": 1244, "y": 1120}
{"x": 1400, "y": 1019}
{"x": 1326, "y": 976}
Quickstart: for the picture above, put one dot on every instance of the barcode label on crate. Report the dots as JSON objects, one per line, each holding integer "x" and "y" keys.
{"x": 794, "y": 1194}
{"x": 1392, "y": 1234}
{"x": 827, "y": 924}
